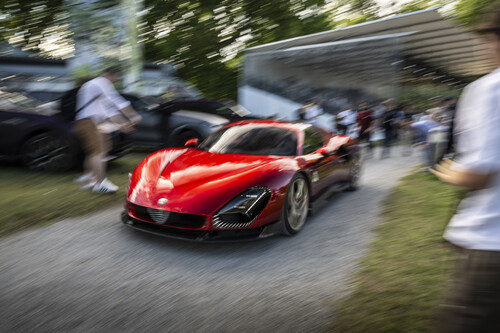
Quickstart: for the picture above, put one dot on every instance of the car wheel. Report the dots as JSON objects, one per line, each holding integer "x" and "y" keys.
{"x": 48, "y": 151}
{"x": 296, "y": 207}
{"x": 354, "y": 173}
{"x": 186, "y": 135}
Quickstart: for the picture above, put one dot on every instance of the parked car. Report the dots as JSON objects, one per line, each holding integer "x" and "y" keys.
{"x": 250, "y": 179}
{"x": 231, "y": 113}
{"x": 35, "y": 134}
{"x": 163, "y": 125}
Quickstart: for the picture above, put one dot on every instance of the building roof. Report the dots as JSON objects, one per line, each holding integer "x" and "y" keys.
{"x": 430, "y": 46}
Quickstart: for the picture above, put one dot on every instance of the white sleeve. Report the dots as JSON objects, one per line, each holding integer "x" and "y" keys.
{"x": 478, "y": 127}
{"x": 112, "y": 97}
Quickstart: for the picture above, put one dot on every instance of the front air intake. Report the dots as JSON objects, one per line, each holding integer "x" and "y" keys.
{"x": 163, "y": 217}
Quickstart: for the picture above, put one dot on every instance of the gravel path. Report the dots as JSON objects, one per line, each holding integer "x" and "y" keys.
{"x": 92, "y": 274}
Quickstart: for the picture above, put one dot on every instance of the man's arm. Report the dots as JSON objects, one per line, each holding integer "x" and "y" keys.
{"x": 477, "y": 129}
{"x": 123, "y": 106}
{"x": 131, "y": 114}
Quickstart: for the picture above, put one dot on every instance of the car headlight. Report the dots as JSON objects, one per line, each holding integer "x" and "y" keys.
{"x": 243, "y": 209}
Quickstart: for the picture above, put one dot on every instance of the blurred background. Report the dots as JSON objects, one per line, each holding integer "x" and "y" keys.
{"x": 178, "y": 47}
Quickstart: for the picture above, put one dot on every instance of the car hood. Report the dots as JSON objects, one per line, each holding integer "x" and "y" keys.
{"x": 201, "y": 116}
{"x": 199, "y": 182}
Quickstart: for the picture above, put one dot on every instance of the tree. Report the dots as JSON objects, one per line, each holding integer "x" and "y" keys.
{"x": 469, "y": 11}
{"x": 204, "y": 38}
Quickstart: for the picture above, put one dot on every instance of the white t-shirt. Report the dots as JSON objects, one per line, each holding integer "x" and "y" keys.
{"x": 348, "y": 117}
{"x": 476, "y": 225}
{"x": 105, "y": 106}
{"x": 312, "y": 113}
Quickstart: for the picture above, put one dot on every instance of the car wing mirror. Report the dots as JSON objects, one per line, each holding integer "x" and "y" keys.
{"x": 325, "y": 151}
{"x": 191, "y": 142}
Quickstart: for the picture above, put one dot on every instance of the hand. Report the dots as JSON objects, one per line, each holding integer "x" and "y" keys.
{"x": 127, "y": 128}
{"x": 136, "y": 119}
{"x": 451, "y": 173}
{"x": 444, "y": 171}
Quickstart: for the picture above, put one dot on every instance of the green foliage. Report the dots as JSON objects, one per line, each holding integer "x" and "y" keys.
{"x": 28, "y": 19}
{"x": 204, "y": 37}
{"x": 420, "y": 95}
{"x": 469, "y": 11}
{"x": 368, "y": 8}
{"x": 416, "y": 5}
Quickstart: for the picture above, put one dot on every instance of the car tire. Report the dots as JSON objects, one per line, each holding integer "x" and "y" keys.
{"x": 49, "y": 151}
{"x": 296, "y": 206}
{"x": 185, "y": 136}
{"x": 354, "y": 173}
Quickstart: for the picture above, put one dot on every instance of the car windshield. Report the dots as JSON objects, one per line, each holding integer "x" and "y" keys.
{"x": 252, "y": 139}
{"x": 142, "y": 104}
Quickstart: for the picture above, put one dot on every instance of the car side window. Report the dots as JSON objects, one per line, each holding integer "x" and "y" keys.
{"x": 313, "y": 140}
{"x": 225, "y": 111}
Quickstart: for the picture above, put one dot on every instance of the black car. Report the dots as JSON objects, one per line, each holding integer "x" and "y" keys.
{"x": 170, "y": 124}
{"x": 36, "y": 134}
{"x": 231, "y": 113}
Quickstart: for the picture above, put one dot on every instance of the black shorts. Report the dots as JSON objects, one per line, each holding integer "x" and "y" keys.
{"x": 473, "y": 304}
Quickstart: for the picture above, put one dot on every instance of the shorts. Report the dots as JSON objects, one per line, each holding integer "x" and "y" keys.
{"x": 92, "y": 140}
{"x": 474, "y": 302}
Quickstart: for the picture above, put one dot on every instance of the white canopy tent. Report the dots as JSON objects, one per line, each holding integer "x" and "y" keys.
{"x": 364, "y": 61}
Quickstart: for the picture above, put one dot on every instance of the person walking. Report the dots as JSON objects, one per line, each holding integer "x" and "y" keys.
{"x": 474, "y": 302}
{"x": 365, "y": 122}
{"x": 312, "y": 112}
{"x": 405, "y": 129}
{"x": 346, "y": 119}
{"x": 421, "y": 131}
{"x": 98, "y": 101}
{"x": 389, "y": 125}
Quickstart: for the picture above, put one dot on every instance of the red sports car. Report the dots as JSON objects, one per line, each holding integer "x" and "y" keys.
{"x": 250, "y": 179}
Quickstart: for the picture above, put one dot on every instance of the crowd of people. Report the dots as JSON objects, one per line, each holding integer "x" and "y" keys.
{"x": 389, "y": 122}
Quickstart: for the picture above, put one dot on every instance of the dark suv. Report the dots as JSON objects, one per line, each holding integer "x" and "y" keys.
{"x": 35, "y": 134}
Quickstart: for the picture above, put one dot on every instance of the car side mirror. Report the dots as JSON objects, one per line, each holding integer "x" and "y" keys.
{"x": 191, "y": 142}
{"x": 325, "y": 151}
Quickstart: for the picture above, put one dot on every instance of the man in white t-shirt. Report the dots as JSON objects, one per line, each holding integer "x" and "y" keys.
{"x": 313, "y": 111}
{"x": 474, "y": 305}
{"x": 98, "y": 101}
{"x": 346, "y": 119}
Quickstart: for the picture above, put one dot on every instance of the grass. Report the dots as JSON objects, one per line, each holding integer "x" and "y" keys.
{"x": 29, "y": 199}
{"x": 402, "y": 279}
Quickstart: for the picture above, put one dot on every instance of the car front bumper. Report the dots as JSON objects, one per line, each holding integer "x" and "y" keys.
{"x": 201, "y": 235}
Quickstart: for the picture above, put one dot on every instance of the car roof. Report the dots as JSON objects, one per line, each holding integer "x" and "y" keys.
{"x": 295, "y": 126}
{"x": 194, "y": 101}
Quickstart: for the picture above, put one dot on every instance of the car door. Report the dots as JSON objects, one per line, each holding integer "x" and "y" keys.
{"x": 152, "y": 129}
{"x": 322, "y": 168}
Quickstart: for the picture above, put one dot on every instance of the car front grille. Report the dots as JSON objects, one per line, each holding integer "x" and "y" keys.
{"x": 166, "y": 218}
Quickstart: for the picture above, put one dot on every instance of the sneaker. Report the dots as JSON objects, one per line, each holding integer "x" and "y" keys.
{"x": 88, "y": 186}
{"x": 83, "y": 178}
{"x": 105, "y": 187}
